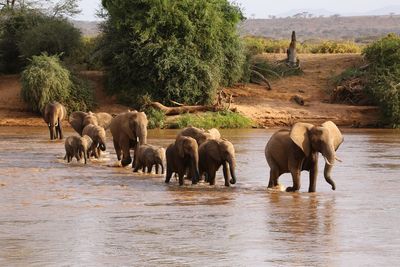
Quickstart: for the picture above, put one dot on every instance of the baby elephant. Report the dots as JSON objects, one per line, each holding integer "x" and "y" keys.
{"x": 147, "y": 156}
{"x": 75, "y": 146}
{"x": 213, "y": 154}
{"x": 98, "y": 135}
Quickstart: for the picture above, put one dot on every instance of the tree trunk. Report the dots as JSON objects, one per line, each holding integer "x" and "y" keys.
{"x": 181, "y": 109}
{"x": 291, "y": 52}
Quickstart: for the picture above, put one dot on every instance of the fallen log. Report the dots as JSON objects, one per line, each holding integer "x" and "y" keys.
{"x": 181, "y": 109}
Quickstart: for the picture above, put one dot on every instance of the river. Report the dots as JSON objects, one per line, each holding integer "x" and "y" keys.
{"x": 58, "y": 214}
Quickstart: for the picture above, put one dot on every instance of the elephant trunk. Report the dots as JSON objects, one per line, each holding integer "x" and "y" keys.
{"x": 142, "y": 135}
{"x": 329, "y": 162}
{"x": 195, "y": 166}
{"x": 52, "y": 132}
{"x": 232, "y": 166}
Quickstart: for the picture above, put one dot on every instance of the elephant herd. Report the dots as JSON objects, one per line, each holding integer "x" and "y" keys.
{"x": 195, "y": 153}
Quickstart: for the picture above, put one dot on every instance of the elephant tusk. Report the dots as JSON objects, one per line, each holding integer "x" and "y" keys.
{"x": 338, "y": 159}
{"x": 327, "y": 161}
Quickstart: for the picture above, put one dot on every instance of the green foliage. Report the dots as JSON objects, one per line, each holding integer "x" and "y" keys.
{"x": 25, "y": 32}
{"x": 86, "y": 55}
{"x": 333, "y": 47}
{"x": 13, "y": 25}
{"x": 258, "y": 45}
{"x": 156, "y": 118}
{"x": 348, "y": 74}
{"x": 53, "y": 36}
{"x": 208, "y": 120}
{"x": 172, "y": 50}
{"x": 46, "y": 80}
{"x": 384, "y": 76}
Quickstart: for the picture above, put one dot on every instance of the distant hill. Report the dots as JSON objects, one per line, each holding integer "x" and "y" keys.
{"x": 333, "y": 27}
{"x": 88, "y": 28}
{"x": 358, "y": 28}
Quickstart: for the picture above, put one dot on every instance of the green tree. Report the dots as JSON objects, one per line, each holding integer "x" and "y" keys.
{"x": 179, "y": 50}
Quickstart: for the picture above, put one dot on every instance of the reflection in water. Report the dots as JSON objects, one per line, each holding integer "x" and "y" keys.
{"x": 54, "y": 213}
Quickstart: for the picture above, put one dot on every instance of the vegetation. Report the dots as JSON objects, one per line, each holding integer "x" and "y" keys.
{"x": 26, "y": 31}
{"x": 222, "y": 119}
{"x": 46, "y": 80}
{"x": 172, "y": 50}
{"x": 258, "y": 45}
{"x": 156, "y": 118}
{"x": 383, "y": 75}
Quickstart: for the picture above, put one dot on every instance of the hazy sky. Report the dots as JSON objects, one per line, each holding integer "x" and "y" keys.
{"x": 263, "y": 8}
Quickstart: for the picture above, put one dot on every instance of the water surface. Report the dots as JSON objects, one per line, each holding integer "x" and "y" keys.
{"x": 58, "y": 214}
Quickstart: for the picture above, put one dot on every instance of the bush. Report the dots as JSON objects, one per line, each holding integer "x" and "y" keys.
{"x": 13, "y": 25}
{"x": 53, "y": 36}
{"x": 331, "y": 47}
{"x": 46, "y": 80}
{"x": 25, "y": 32}
{"x": 208, "y": 120}
{"x": 86, "y": 55}
{"x": 172, "y": 50}
{"x": 384, "y": 76}
{"x": 155, "y": 117}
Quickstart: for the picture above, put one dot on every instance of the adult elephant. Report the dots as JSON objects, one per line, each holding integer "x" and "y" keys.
{"x": 183, "y": 157}
{"x": 79, "y": 120}
{"x": 127, "y": 128}
{"x": 297, "y": 149}
{"x": 53, "y": 115}
{"x": 200, "y": 135}
{"x": 213, "y": 154}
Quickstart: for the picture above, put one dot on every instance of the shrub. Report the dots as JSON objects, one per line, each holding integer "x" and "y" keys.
{"x": 172, "y": 50}
{"x": 86, "y": 55}
{"x": 384, "y": 76}
{"x": 155, "y": 117}
{"x": 207, "y": 120}
{"x": 332, "y": 47}
{"x": 53, "y": 36}
{"x": 45, "y": 80}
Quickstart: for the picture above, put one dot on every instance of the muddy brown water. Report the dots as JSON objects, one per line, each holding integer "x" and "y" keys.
{"x": 58, "y": 214}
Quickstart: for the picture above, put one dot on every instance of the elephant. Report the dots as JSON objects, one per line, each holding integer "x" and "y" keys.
{"x": 200, "y": 135}
{"x": 79, "y": 119}
{"x": 98, "y": 135}
{"x": 213, "y": 154}
{"x": 297, "y": 149}
{"x": 183, "y": 156}
{"x": 76, "y": 146}
{"x": 126, "y": 128}
{"x": 53, "y": 115}
{"x": 147, "y": 156}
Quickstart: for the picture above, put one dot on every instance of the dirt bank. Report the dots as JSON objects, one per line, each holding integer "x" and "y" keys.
{"x": 276, "y": 107}
{"x": 267, "y": 108}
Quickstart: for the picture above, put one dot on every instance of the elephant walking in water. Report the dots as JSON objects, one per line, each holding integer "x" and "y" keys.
{"x": 53, "y": 115}
{"x": 297, "y": 149}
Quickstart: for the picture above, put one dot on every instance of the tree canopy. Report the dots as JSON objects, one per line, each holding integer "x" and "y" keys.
{"x": 180, "y": 50}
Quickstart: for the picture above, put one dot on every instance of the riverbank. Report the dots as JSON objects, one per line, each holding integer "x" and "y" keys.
{"x": 273, "y": 108}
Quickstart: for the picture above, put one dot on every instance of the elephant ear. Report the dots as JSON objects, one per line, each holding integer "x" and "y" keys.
{"x": 299, "y": 135}
{"x": 76, "y": 121}
{"x": 334, "y": 133}
{"x": 180, "y": 143}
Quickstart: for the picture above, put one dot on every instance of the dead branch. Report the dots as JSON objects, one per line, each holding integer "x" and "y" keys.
{"x": 181, "y": 110}
{"x": 262, "y": 78}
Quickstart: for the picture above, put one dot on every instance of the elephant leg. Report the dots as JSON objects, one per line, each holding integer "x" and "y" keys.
{"x": 211, "y": 176}
{"x": 226, "y": 173}
{"x": 181, "y": 175}
{"x": 162, "y": 168}
{"x": 117, "y": 149}
{"x": 60, "y": 129}
{"x": 126, "y": 156}
{"x": 273, "y": 178}
{"x": 157, "y": 168}
{"x": 168, "y": 176}
{"x": 149, "y": 167}
{"x": 296, "y": 181}
{"x": 98, "y": 152}
{"x": 143, "y": 168}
